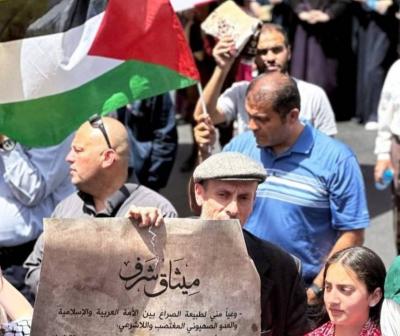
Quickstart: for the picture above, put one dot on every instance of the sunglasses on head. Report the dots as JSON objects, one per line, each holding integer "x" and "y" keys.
{"x": 96, "y": 122}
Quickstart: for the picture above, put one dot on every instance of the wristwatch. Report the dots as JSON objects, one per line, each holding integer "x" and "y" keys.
{"x": 316, "y": 289}
{"x": 7, "y": 145}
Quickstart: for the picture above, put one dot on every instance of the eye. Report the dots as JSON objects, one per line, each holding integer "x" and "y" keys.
{"x": 259, "y": 119}
{"x": 244, "y": 197}
{"x": 221, "y": 194}
{"x": 327, "y": 287}
{"x": 262, "y": 52}
{"x": 347, "y": 290}
{"x": 277, "y": 50}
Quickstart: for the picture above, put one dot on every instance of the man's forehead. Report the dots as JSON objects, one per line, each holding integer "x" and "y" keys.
{"x": 270, "y": 38}
{"x": 233, "y": 184}
{"x": 259, "y": 104}
{"x": 82, "y": 137}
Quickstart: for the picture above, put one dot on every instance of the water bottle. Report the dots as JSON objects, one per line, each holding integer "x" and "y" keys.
{"x": 386, "y": 179}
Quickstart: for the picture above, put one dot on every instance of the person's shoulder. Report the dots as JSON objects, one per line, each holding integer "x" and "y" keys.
{"x": 241, "y": 85}
{"x": 244, "y": 139}
{"x": 144, "y": 196}
{"x": 68, "y": 204}
{"x": 309, "y": 88}
{"x": 276, "y": 256}
{"x": 395, "y": 66}
{"x": 237, "y": 88}
{"x": 332, "y": 146}
{"x": 394, "y": 72}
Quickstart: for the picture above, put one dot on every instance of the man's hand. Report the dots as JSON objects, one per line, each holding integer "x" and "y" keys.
{"x": 204, "y": 134}
{"x": 380, "y": 167}
{"x": 312, "y": 299}
{"x": 145, "y": 216}
{"x": 225, "y": 52}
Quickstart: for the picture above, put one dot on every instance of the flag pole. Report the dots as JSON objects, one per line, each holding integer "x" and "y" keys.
{"x": 201, "y": 97}
{"x": 204, "y": 108}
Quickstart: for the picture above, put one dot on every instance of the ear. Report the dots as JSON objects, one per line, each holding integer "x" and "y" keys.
{"x": 109, "y": 157}
{"x": 293, "y": 115}
{"x": 375, "y": 297}
{"x": 289, "y": 52}
{"x": 199, "y": 194}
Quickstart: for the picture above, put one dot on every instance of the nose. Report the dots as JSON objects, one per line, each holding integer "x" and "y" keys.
{"x": 70, "y": 157}
{"x": 252, "y": 125}
{"x": 269, "y": 56}
{"x": 232, "y": 209}
{"x": 331, "y": 297}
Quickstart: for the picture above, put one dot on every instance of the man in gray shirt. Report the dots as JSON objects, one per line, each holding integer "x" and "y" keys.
{"x": 273, "y": 54}
{"x": 98, "y": 161}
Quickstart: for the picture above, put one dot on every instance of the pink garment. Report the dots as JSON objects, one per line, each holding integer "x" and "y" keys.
{"x": 328, "y": 329}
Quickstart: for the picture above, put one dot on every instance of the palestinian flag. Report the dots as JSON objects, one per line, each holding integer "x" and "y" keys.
{"x": 61, "y": 61}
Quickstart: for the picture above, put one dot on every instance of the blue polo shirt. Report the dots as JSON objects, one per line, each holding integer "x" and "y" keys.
{"x": 313, "y": 191}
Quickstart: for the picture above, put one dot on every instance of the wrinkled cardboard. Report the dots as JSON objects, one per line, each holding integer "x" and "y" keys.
{"x": 105, "y": 277}
{"x": 228, "y": 19}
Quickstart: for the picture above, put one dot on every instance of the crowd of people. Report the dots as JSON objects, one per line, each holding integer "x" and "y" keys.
{"x": 297, "y": 192}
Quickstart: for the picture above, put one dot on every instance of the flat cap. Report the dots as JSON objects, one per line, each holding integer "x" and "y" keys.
{"x": 229, "y": 166}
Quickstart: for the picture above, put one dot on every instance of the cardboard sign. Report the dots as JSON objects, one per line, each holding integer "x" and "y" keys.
{"x": 105, "y": 277}
{"x": 229, "y": 19}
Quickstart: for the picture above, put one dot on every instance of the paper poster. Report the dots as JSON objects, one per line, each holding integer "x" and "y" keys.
{"x": 105, "y": 277}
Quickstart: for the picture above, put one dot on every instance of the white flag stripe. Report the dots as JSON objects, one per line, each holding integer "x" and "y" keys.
{"x": 180, "y": 5}
{"x": 46, "y": 65}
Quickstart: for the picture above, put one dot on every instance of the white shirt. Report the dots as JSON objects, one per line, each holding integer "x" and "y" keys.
{"x": 32, "y": 182}
{"x": 388, "y": 112}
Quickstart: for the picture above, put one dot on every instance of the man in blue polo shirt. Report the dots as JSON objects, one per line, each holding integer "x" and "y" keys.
{"x": 313, "y": 200}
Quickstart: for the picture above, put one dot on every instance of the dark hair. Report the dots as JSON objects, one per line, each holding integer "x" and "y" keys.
{"x": 368, "y": 267}
{"x": 284, "y": 96}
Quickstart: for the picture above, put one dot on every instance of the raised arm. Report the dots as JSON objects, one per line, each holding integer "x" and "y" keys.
{"x": 224, "y": 54}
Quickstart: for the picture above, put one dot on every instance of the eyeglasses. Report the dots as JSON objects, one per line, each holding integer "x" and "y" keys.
{"x": 96, "y": 122}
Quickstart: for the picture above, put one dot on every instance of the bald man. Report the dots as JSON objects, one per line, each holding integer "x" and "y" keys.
{"x": 98, "y": 161}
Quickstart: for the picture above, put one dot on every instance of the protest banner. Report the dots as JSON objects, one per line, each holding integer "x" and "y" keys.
{"x": 106, "y": 277}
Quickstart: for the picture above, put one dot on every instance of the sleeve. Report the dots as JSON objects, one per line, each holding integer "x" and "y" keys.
{"x": 165, "y": 144}
{"x": 229, "y": 101}
{"x": 324, "y": 117}
{"x": 347, "y": 196}
{"x": 34, "y": 174}
{"x": 386, "y": 109}
{"x": 33, "y": 265}
{"x": 336, "y": 8}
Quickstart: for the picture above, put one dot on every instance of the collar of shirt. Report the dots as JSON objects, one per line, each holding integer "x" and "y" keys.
{"x": 113, "y": 203}
{"x": 305, "y": 141}
{"x": 303, "y": 144}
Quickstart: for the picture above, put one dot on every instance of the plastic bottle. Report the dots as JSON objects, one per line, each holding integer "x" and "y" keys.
{"x": 387, "y": 178}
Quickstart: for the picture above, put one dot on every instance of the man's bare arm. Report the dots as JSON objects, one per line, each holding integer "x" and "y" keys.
{"x": 346, "y": 239}
{"x": 224, "y": 55}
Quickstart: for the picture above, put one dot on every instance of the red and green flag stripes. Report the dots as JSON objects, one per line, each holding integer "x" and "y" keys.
{"x": 62, "y": 61}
